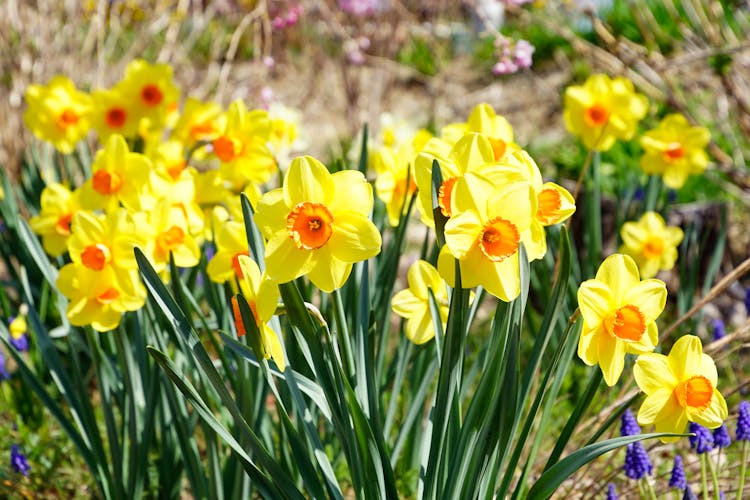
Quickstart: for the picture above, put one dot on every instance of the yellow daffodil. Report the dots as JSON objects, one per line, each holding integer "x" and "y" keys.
{"x": 241, "y": 147}
{"x": 675, "y": 150}
{"x": 113, "y": 114}
{"x": 619, "y": 315}
{"x": 174, "y": 180}
{"x": 168, "y": 228}
{"x": 472, "y": 153}
{"x": 231, "y": 243}
{"x": 58, "y": 205}
{"x": 199, "y": 121}
{"x": 98, "y": 298}
{"x": 414, "y": 304}
{"x": 486, "y": 233}
{"x": 651, "y": 243}
{"x": 119, "y": 176}
{"x": 317, "y": 224}
{"x": 680, "y": 388}
{"x": 58, "y": 113}
{"x": 603, "y": 110}
{"x": 151, "y": 90}
{"x": 485, "y": 121}
{"x": 99, "y": 241}
{"x": 262, "y": 295}
{"x": 285, "y": 132}
{"x": 395, "y": 183}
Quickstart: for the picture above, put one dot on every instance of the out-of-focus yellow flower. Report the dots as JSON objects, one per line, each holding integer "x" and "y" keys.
{"x": 675, "y": 150}
{"x": 98, "y": 298}
{"x": 651, "y": 243}
{"x": 241, "y": 147}
{"x": 285, "y": 132}
{"x": 485, "y": 235}
{"x": 395, "y": 183}
{"x": 603, "y": 110}
{"x": 168, "y": 228}
{"x": 113, "y": 113}
{"x": 58, "y": 113}
{"x": 58, "y": 205}
{"x": 485, "y": 121}
{"x": 680, "y": 388}
{"x": 174, "y": 180}
{"x": 199, "y": 121}
{"x": 18, "y": 327}
{"x": 619, "y": 315}
{"x": 151, "y": 90}
{"x": 262, "y": 295}
{"x": 231, "y": 243}
{"x": 99, "y": 241}
{"x": 317, "y": 224}
{"x": 119, "y": 176}
{"x": 414, "y": 304}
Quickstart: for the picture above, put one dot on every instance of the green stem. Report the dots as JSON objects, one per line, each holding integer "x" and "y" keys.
{"x": 704, "y": 481}
{"x": 593, "y": 221}
{"x": 653, "y": 190}
{"x": 649, "y": 488}
{"x": 743, "y": 467}
{"x": 714, "y": 477}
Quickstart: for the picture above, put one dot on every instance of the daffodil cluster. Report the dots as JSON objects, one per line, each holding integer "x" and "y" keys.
{"x": 166, "y": 179}
{"x": 605, "y": 109}
{"x": 493, "y": 198}
{"x": 619, "y": 313}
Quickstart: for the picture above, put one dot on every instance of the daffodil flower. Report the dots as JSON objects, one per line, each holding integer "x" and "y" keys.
{"x": 680, "y": 388}
{"x": 317, "y": 224}
{"x": 651, "y": 243}
{"x": 231, "y": 244}
{"x": 485, "y": 121}
{"x": 619, "y": 315}
{"x": 151, "y": 89}
{"x": 486, "y": 233}
{"x": 262, "y": 295}
{"x": 58, "y": 113}
{"x": 113, "y": 113}
{"x": 414, "y": 304}
{"x": 603, "y": 110}
{"x": 58, "y": 205}
{"x": 395, "y": 182}
{"x": 199, "y": 121}
{"x": 675, "y": 150}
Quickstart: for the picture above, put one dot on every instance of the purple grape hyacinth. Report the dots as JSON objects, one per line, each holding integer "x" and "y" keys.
{"x": 611, "y": 493}
{"x": 637, "y": 463}
{"x": 628, "y": 424}
{"x": 719, "y": 329}
{"x": 703, "y": 441}
{"x": 743, "y": 422}
{"x": 18, "y": 460}
{"x": 721, "y": 437}
{"x": 678, "y": 479}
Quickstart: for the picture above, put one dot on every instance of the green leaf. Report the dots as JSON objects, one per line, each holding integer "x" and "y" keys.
{"x": 437, "y": 213}
{"x": 548, "y": 482}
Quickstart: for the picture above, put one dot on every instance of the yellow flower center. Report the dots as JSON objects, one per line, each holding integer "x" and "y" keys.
{"x": 674, "y": 152}
{"x": 309, "y": 225}
{"x": 653, "y": 248}
{"x": 499, "y": 239}
{"x": 550, "y": 203}
{"x": 170, "y": 239}
{"x": 108, "y": 296}
{"x": 151, "y": 95}
{"x": 227, "y": 149}
{"x": 695, "y": 392}
{"x": 106, "y": 183}
{"x": 68, "y": 118}
{"x": 626, "y": 323}
{"x": 444, "y": 195}
{"x": 115, "y": 117}
{"x": 96, "y": 256}
{"x": 596, "y": 115}
{"x": 63, "y": 224}
{"x": 498, "y": 147}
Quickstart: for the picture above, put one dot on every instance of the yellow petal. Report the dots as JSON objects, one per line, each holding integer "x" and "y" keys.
{"x": 284, "y": 261}
{"x": 620, "y": 273}
{"x": 328, "y": 273}
{"x": 271, "y": 213}
{"x": 713, "y": 416}
{"x": 686, "y": 355}
{"x": 588, "y": 347}
{"x": 405, "y": 303}
{"x": 354, "y": 237}
{"x": 307, "y": 180}
{"x": 267, "y": 298}
{"x": 611, "y": 358}
{"x": 650, "y": 296}
{"x": 461, "y": 233}
{"x": 471, "y": 151}
{"x": 653, "y": 372}
{"x": 420, "y": 328}
{"x": 595, "y": 302}
{"x": 352, "y": 193}
{"x": 656, "y": 407}
{"x": 273, "y": 346}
